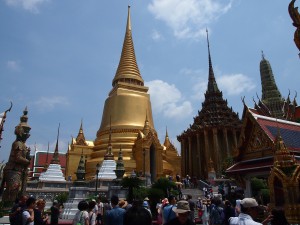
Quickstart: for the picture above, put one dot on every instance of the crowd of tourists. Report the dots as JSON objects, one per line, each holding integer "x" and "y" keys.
{"x": 29, "y": 211}
{"x": 169, "y": 211}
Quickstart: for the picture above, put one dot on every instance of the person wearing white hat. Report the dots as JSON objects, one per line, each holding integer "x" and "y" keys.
{"x": 182, "y": 214}
{"x": 249, "y": 210}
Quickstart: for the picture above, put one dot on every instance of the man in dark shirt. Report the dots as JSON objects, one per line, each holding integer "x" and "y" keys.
{"x": 182, "y": 211}
{"x": 15, "y": 216}
{"x": 54, "y": 213}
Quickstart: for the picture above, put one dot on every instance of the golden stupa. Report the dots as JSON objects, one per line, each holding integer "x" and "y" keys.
{"x": 127, "y": 119}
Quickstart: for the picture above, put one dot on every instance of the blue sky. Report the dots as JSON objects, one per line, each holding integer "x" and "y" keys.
{"x": 58, "y": 58}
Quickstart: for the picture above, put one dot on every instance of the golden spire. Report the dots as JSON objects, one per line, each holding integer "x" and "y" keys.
{"x": 128, "y": 71}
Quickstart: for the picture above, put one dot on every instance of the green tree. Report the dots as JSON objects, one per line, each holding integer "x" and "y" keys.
{"x": 165, "y": 185}
{"x": 131, "y": 183}
{"x": 62, "y": 197}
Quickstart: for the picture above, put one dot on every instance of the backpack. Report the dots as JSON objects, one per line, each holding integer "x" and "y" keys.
{"x": 218, "y": 215}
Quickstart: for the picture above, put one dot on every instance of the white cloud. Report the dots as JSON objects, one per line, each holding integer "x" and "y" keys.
{"x": 167, "y": 99}
{"x": 235, "y": 84}
{"x": 48, "y": 103}
{"x": 13, "y": 65}
{"x": 156, "y": 36}
{"x": 30, "y": 5}
{"x": 188, "y": 18}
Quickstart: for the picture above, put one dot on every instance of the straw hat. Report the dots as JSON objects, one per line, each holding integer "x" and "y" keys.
{"x": 122, "y": 204}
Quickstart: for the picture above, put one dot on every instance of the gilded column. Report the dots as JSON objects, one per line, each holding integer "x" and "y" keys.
{"x": 190, "y": 170}
{"x": 198, "y": 165}
{"x": 206, "y": 155}
{"x": 226, "y": 141}
{"x": 216, "y": 149}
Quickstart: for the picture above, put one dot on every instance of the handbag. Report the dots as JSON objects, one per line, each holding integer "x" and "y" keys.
{"x": 79, "y": 222}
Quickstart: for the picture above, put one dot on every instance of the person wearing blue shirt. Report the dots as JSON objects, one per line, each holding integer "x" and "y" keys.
{"x": 168, "y": 213}
{"x": 116, "y": 214}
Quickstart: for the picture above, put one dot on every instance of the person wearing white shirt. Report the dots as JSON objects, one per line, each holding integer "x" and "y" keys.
{"x": 28, "y": 213}
{"x": 249, "y": 210}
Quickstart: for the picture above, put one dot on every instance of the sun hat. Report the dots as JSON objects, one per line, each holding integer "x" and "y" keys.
{"x": 146, "y": 199}
{"x": 182, "y": 207}
{"x": 249, "y": 203}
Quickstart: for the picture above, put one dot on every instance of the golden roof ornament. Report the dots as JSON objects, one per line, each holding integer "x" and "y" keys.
{"x": 128, "y": 70}
{"x": 80, "y": 140}
{"x": 282, "y": 157}
{"x": 146, "y": 126}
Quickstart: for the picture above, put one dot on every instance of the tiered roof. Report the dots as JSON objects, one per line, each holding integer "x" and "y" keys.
{"x": 215, "y": 111}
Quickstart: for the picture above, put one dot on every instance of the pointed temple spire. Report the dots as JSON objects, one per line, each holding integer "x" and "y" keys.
{"x": 212, "y": 84}
{"x": 80, "y": 173}
{"x": 55, "y": 159}
{"x": 80, "y": 140}
{"x": 128, "y": 71}
{"x": 271, "y": 96}
{"x": 120, "y": 169}
{"x": 109, "y": 155}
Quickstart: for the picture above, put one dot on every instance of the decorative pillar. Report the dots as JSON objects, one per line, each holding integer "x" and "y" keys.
{"x": 226, "y": 141}
{"x": 198, "y": 164}
{"x": 183, "y": 156}
{"x": 234, "y": 138}
{"x": 190, "y": 170}
{"x": 216, "y": 151}
{"x": 206, "y": 153}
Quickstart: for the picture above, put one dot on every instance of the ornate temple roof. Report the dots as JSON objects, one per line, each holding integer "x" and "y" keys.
{"x": 128, "y": 70}
{"x": 289, "y": 135}
{"x": 215, "y": 111}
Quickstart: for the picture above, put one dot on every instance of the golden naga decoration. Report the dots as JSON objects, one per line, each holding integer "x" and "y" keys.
{"x": 294, "y": 14}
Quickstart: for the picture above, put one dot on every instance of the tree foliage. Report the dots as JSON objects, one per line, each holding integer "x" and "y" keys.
{"x": 165, "y": 185}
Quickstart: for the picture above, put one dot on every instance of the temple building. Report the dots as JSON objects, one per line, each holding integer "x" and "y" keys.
{"x": 254, "y": 156}
{"x": 213, "y": 135}
{"x": 127, "y": 117}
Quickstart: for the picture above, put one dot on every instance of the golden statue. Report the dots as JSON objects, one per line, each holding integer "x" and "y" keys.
{"x": 15, "y": 171}
{"x": 294, "y": 14}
